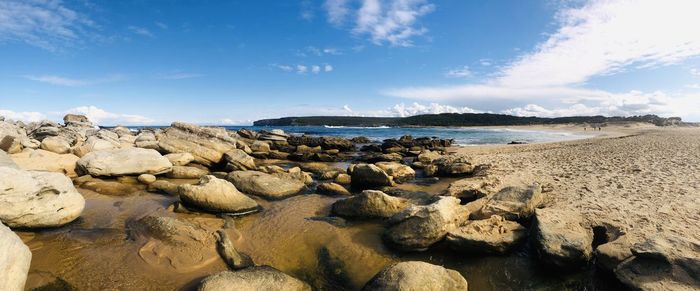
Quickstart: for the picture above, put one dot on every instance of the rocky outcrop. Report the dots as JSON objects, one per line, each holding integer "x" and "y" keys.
{"x": 120, "y": 162}
{"x": 399, "y": 172}
{"x": 217, "y": 195}
{"x": 238, "y": 160}
{"x": 37, "y": 199}
{"x": 41, "y": 160}
{"x": 663, "y": 262}
{"x": 561, "y": 240}
{"x": 493, "y": 235}
{"x": 414, "y": 275}
{"x": 512, "y": 203}
{"x": 265, "y": 185}
{"x": 370, "y": 204}
{"x": 253, "y": 278}
{"x": 15, "y": 258}
{"x": 418, "y": 227}
{"x": 368, "y": 176}
{"x": 207, "y": 145}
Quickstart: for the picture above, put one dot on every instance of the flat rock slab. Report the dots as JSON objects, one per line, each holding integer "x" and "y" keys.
{"x": 265, "y": 185}
{"x": 122, "y": 162}
{"x": 216, "y": 195}
{"x": 512, "y": 203}
{"x": 369, "y": 204}
{"x": 493, "y": 235}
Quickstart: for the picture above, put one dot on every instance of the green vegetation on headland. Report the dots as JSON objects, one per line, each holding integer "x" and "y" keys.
{"x": 460, "y": 119}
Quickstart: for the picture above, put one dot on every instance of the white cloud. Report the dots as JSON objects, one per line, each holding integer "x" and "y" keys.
{"x": 25, "y": 116}
{"x": 71, "y": 82}
{"x": 285, "y": 68}
{"x": 315, "y": 69}
{"x": 693, "y": 86}
{"x": 416, "y": 108}
{"x": 462, "y": 72}
{"x": 161, "y": 25}
{"x": 140, "y": 31}
{"x": 50, "y": 25}
{"x": 485, "y": 62}
{"x": 102, "y": 117}
{"x": 178, "y": 75}
{"x": 327, "y": 68}
{"x": 347, "y": 108}
{"x": 301, "y": 69}
{"x": 695, "y": 72}
{"x": 394, "y": 22}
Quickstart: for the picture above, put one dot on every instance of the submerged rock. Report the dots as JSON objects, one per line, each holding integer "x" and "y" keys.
{"x": 493, "y": 235}
{"x": 369, "y": 204}
{"x": 512, "y": 203}
{"x": 105, "y": 187}
{"x": 216, "y": 195}
{"x": 413, "y": 275}
{"x": 265, "y": 185}
{"x": 663, "y": 262}
{"x": 128, "y": 161}
{"x": 15, "y": 258}
{"x": 368, "y": 176}
{"x": 253, "y": 278}
{"x": 418, "y": 227}
{"x": 561, "y": 240}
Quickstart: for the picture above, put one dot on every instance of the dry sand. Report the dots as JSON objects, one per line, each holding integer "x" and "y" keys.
{"x": 642, "y": 179}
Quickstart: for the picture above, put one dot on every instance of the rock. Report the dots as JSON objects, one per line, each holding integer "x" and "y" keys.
{"x": 331, "y": 142}
{"x": 15, "y": 258}
{"x": 512, "y": 203}
{"x": 610, "y": 255}
{"x": 39, "y": 280}
{"x": 247, "y": 133}
{"x": 414, "y": 275}
{"x": 561, "y": 240}
{"x": 343, "y": 179}
{"x": 493, "y": 235}
{"x": 55, "y": 144}
{"x": 665, "y": 261}
{"x": 418, "y": 227}
{"x": 297, "y": 174}
{"x": 93, "y": 144}
{"x": 238, "y": 160}
{"x": 303, "y": 149}
{"x": 265, "y": 185}
{"x": 360, "y": 139}
{"x": 207, "y": 145}
{"x": 36, "y": 199}
{"x": 332, "y": 189}
{"x": 217, "y": 195}
{"x": 120, "y": 162}
{"x": 370, "y": 204}
{"x": 184, "y": 172}
{"x": 454, "y": 165}
{"x": 368, "y": 176}
{"x": 76, "y": 120}
{"x": 260, "y": 146}
{"x": 228, "y": 252}
{"x": 253, "y": 278}
{"x": 180, "y": 159}
{"x": 111, "y": 188}
{"x": 399, "y": 172}
{"x": 122, "y": 131}
{"x": 41, "y": 160}
{"x": 166, "y": 187}
{"x": 471, "y": 188}
{"x": 146, "y": 178}
{"x": 377, "y": 157}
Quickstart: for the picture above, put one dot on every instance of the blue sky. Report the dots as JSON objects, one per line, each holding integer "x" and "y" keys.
{"x": 232, "y": 62}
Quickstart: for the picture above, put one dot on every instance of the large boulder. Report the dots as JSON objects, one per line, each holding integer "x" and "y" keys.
{"x": 55, "y": 144}
{"x": 77, "y": 120}
{"x": 368, "y": 176}
{"x": 216, "y": 195}
{"x": 399, "y": 172}
{"x": 611, "y": 254}
{"x": 121, "y": 162}
{"x": 369, "y": 204}
{"x": 238, "y": 160}
{"x": 93, "y": 144}
{"x": 37, "y": 199}
{"x": 493, "y": 235}
{"x": 561, "y": 240}
{"x": 454, "y": 165}
{"x": 663, "y": 262}
{"x": 512, "y": 203}
{"x": 253, "y": 278}
{"x": 15, "y": 258}
{"x": 180, "y": 159}
{"x": 41, "y": 160}
{"x": 414, "y": 276}
{"x": 265, "y": 185}
{"x": 418, "y": 227}
{"x": 206, "y": 144}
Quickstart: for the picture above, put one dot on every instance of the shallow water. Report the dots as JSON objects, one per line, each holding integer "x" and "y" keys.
{"x": 97, "y": 252}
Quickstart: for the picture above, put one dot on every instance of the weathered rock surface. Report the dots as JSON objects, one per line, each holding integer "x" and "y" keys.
{"x": 512, "y": 203}
{"x": 343, "y": 179}
{"x": 368, "y": 176}
{"x": 120, "y": 162}
{"x": 414, "y": 275}
{"x": 147, "y": 178}
{"x": 15, "y": 258}
{"x": 610, "y": 255}
{"x": 180, "y": 159}
{"x": 207, "y": 145}
{"x": 265, "y": 185}
{"x": 418, "y": 227}
{"x": 663, "y": 262}
{"x": 370, "y": 204}
{"x": 105, "y": 187}
{"x": 185, "y": 172}
{"x": 41, "y": 160}
{"x": 216, "y": 195}
{"x": 166, "y": 187}
{"x": 454, "y": 165}
{"x": 254, "y": 278}
{"x": 238, "y": 160}
{"x": 560, "y": 238}
{"x": 471, "y": 188}
{"x": 37, "y": 199}
{"x": 493, "y": 235}
{"x": 399, "y": 172}
{"x": 55, "y": 144}
{"x": 332, "y": 189}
